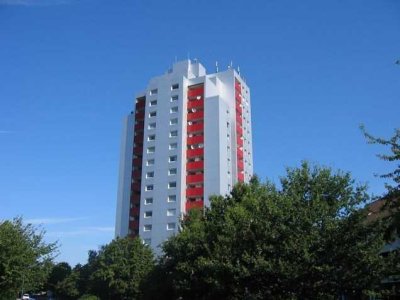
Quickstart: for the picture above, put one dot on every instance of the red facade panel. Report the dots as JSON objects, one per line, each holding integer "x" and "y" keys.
{"x": 194, "y": 140}
{"x": 195, "y": 115}
{"x": 195, "y": 127}
{"x": 194, "y": 204}
{"x": 195, "y": 178}
{"x": 190, "y": 192}
{"x": 194, "y": 152}
{"x": 195, "y": 165}
{"x": 195, "y": 103}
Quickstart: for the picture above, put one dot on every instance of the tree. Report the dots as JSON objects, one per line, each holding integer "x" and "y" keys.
{"x": 119, "y": 269}
{"x": 25, "y": 258}
{"x": 307, "y": 239}
{"x": 58, "y": 273}
{"x": 393, "y": 190}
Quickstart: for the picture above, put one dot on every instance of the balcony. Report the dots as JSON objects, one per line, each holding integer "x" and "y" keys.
{"x": 241, "y": 177}
{"x": 140, "y": 104}
{"x": 134, "y": 211}
{"x": 239, "y": 142}
{"x": 195, "y": 103}
{"x": 138, "y": 150}
{"x": 195, "y": 165}
{"x": 239, "y": 120}
{"x": 194, "y": 92}
{"x": 136, "y": 174}
{"x": 135, "y": 187}
{"x": 194, "y": 204}
{"x": 135, "y": 199}
{"x": 195, "y": 127}
{"x": 195, "y": 115}
{"x": 240, "y": 154}
{"x": 194, "y": 152}
{"x": 139, "y": 126}
{"x": 138, "y": 137}
{"x": 195, "y": 140}
{"x": 238, "y": 98}
{"x": 190, "y": 192}
{"x": 195, "y": 178}
{"x": 240, "y": 165}
{"x": 133, "y": 225}
{"x": 137, "y": 162}
{"x": 139, "y": 115}
{"x": 239, "y": 110}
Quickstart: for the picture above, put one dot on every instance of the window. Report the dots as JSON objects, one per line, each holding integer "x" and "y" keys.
{"x": 171, "y": 198}
{"x": 173, "y": 146}
{"x": 174, "y": 98}
{"x": 148, "y": 214}
{"x": 148, "y": 201}
{"x": 149, "y": 187}
{"x": 175, "y": 86}
{"x": 153, "y": 102}
{"x": 173, "y": 121}
{"x": 151, "y": 149}
{"x": 147, "y": 242}
{"x": 171, "y": 212}
{"x": 152, "y": 114}
{"x": 172, "y": 185}
{"x": 174, "y": 109}
{"x": 173, "y": 133}
{"x": 150, "y": 174}
{"x": 153, "y": 91}
{"x": 147, "y": 227}
{"x": 152, "y": 126}
{"x": 150, "y": 162}
{"x": 173, "y": 158}
{"x": 172, "y": 171}
{"x": 170, "y": 226}
{"x": 151, "y": 137}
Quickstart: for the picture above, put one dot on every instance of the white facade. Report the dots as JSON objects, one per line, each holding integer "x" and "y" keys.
{"x": 193, "y": 146}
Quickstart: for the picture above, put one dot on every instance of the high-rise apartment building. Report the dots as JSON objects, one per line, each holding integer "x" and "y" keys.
{"x": 189, "y": 137}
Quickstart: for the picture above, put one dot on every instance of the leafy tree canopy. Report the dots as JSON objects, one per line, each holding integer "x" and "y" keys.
{"x": 307, "y": 239}
{"x": 119, "y": 269}
{"x": 25, "y": 258}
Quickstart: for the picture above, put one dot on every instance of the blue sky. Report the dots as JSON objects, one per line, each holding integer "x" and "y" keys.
{"x": 69, "y": 70}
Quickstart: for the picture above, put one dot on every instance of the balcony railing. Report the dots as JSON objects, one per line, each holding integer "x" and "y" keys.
{"x": 195, "y": 103}
{"x": 195, "y": 140}
{"x": 194, "y": 204}
{"x": 195, "y": 165}
{"x": 190, "y": 192}
{"x": 195, "y": 178}
{"x": 194, "y": 152}
{"x": 195, "y": 115}
{"x": 195, "y": 127}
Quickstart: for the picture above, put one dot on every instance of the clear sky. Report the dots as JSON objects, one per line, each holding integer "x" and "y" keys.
{"x": 69, "y": 70}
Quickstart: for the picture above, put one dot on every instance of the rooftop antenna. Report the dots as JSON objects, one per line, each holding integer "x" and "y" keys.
{"x": 239, "y": 69}
{"x": 231, "y": 65}
{"x": 216, "y": 66}
{"x": 188, "y": 55}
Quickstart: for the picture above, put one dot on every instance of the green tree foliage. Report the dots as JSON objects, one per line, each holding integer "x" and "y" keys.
{"x": 25, "y": 259}
{"x": 393, "y": 195}
{"x": 307, "y": 239}
{"x": 58, "y": 273}
{"x": 119, "y": 268}
{"x": 394, "y": 145}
